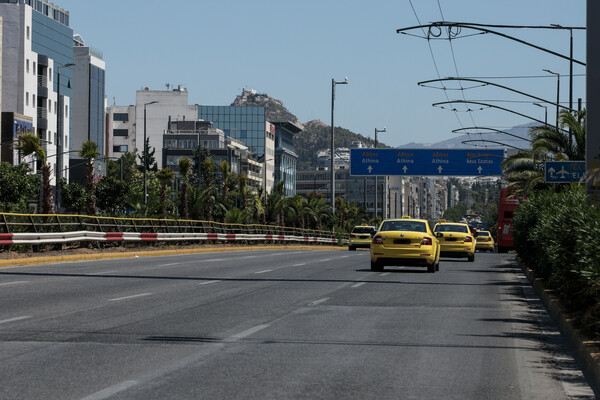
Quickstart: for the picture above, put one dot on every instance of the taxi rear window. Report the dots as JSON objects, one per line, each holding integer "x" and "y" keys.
{"x": 484, "y": 234}
{"x": 363, "y": 229}
{"x": 407, "y": 225}
{"x": 451, "y": 228}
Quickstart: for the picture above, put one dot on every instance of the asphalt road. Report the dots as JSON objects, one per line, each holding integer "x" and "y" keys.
{"x": 289, "y": 324}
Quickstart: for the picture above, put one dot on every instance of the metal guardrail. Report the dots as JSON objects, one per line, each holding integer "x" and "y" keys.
{"x": 63, "y": 228}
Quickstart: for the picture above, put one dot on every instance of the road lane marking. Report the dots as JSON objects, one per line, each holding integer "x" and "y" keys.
{"x": 12, "y": 283}
{"x": 248, "y": 257}
{"x": 359, "y": 284}
{"x": 110, "y": 391}
{"x": 208, "y": 282}
{"x": 384, "y": 274}
{"x": 246, "y": 333}
{"x": 263, "y": 271}
{"x": 325, "y": 259}
{"x": 166, "y": 265}
{"x": 4, "y": 321}
{"x": 299, "y": 265}
{"x": 317, "y": 302}
{"x": 131, "y": 297}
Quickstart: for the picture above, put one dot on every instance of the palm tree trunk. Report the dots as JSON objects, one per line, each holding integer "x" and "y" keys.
{"x": 47, "y": 203}
{"x": 184, "y": 210}
{"x": 90, "y": 207}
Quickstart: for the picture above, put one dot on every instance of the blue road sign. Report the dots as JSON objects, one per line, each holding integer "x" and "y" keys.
{"x": 565, "y": 171}
{"x": 426, "y": 162}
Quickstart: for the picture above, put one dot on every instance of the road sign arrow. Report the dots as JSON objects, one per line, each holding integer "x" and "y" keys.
{"x": 551, "y": 171}
{"x": 440, "y": 169}
{"x": 405, "y": 169}
{"x": 370, "y": 169}
{"x": 479, "y": 169}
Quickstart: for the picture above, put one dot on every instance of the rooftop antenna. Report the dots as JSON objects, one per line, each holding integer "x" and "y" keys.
{"x": 168, "y": 85}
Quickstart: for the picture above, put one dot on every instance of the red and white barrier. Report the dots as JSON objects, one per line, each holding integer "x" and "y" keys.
{"x": 92, "y": 236}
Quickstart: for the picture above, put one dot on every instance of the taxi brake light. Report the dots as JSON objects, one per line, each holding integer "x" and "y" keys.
{"x": 426, "y": 242}
{"x": 352, "y": 236}
{"x": 468, "y": 239}
{"x": 377, "y": 240}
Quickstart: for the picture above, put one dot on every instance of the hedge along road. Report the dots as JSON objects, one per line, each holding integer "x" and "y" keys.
{"x": 277, "y": 323}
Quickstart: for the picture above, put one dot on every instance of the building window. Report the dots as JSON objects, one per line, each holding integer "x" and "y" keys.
{"x": 27, "y": 99}
{"x": 27, "y": 66}
{"x": 34, "y": 68}
{"x": 120, "y": 149}
{"x": 50, "y": 74}
{"x": 28, "y": 33}
{"x": 66, "y": 111}
{"x": 55, "y": 108}
{"x": 121, "y": 132}
{"x": 123, "y": 117}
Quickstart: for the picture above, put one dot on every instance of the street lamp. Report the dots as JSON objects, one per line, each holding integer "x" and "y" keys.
{"x": 375, "y": 208}
{"x": 333, "y": 83}
{"x": 59, "y": 133}
{"x": 545, "y": 111}
{"x": 146, "y": 154}
{"x": 557, "y": 94}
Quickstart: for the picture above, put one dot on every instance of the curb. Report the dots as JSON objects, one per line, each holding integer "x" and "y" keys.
{"x": 587, "y": 352}
{"x": 14, "y": 262}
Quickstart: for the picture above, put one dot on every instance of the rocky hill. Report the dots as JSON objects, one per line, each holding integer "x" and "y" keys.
{"x": 315, "y": 136}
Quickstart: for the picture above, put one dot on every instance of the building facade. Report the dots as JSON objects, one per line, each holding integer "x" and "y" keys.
{"x": 248, "y": 125}
{"x": 286, "y": 158}
{"x": 37, "y": 40}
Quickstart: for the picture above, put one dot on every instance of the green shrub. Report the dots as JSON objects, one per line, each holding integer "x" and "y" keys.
{"x": 555, "y": 235}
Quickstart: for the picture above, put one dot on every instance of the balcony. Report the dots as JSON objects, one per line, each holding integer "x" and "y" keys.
{"x": 42, "y": 90}
{"x": 42, "y": 118}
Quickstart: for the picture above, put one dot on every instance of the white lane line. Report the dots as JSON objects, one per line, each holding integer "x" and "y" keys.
{"x": 4, "y": 321}
{"x": 131, "y": 297}
{"x": 317, "y": 302}
{"x": 299, "y": 265}
{"x": 208, "y": 282}
{"x": 12, "y": 283}
{"x": 214, "y": 259}
{"x": 248, "y": 257}
{"x": 384, "y": 274}
{"x": 246, "y": 333}
{"x": 166, "y": 265}
{"x": 263, "y": 271}
{"x": 325, "y": 259}
{"x": 109, "y": 391}
{"x": 358, "y": 284}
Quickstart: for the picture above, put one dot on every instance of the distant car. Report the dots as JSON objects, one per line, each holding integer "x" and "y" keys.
{"x": 361, "y": 236}
{"x": 405, "y": 242}
{"x": 485, "y": 241}
{"x": 456, "y": 239}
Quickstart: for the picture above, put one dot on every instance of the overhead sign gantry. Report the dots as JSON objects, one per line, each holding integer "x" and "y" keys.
{"x": 426, "y": 162}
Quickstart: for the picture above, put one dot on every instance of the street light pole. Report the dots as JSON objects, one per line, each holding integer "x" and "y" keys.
{"x": 333, "y": 83}
{"x": 59, "y": 133}
{"x": 375, "y": 208}
{"x": 545, "y": 112}
{"x": 146, "y": 154}
{"x": 557, "y": 96}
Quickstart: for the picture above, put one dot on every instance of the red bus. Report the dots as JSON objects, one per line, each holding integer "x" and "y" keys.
{"x": 506, "y": 208}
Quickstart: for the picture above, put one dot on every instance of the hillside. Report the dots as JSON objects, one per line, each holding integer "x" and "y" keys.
{"x": 316, "y": 135}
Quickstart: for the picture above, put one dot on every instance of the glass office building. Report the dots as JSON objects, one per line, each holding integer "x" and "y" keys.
{"x": 246, "y": 124}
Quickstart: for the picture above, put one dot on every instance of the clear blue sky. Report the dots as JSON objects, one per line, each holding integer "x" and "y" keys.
{"x": 292, "y": 50}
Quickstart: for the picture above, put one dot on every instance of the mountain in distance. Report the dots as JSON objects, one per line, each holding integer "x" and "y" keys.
{"x": 517, "y": 136}
{"x": 316, "y": 134}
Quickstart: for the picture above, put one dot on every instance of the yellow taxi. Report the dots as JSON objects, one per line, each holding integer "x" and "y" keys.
{"x": 456, "y": 239}
{"x": 361, "y": 236}
{"x": 405, "y": 241}
{"x": 485, "y": 241}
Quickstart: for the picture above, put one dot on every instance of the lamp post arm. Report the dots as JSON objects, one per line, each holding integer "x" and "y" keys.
{"x": 480, "y": 28}
{"x": 422, "y": 83}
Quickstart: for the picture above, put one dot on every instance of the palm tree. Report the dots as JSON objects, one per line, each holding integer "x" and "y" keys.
{"x": 185, "y": 166}
{"x": 89, "y": 151}
{"x": 30, "y": 144}
{"x": 165, "y": 177}
{"x": 524, "y": 170}
{"x": 319, "y": 208}
{"x": 244, "y": 193}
